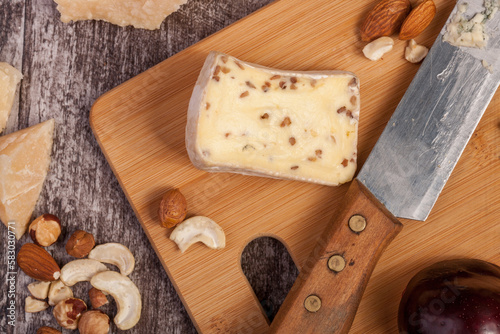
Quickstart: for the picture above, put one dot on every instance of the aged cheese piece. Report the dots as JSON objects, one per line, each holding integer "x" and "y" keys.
{"x": 9, "y": 78}
{"x": 250, "y": 119}
{"x": 461, "y": 31}
{"x": 24, "y": 162}
{"x": 147, "y": 14}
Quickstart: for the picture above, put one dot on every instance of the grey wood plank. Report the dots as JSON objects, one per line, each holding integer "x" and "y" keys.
{"x": 66, "y": 67}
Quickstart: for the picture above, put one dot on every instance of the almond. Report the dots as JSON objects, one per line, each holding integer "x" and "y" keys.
{"x": 384, "y": 19}
{"x": 37, "y": 263}
{"x": 418, "y": 19}
{"x": 47, "y": 330}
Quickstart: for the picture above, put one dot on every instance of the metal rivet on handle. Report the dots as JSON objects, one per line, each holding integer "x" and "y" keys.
{"x": 357, "y": 223}
{"x": 312, "y": 303}
{"x": 336, "y": 263}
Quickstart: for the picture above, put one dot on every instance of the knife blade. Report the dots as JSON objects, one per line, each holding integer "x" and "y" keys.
{"x": 403, "y": 176}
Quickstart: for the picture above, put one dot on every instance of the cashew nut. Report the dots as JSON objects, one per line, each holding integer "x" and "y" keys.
{"x": 80, "y": 270}
{"x": 115, "y": 254}
{"x": 126, "y": 295}
{"x": 197, "y": 229}
{"x": 414, "y": 53}
{"x": 58, "y": 291}
{"x": 376, "y": 49}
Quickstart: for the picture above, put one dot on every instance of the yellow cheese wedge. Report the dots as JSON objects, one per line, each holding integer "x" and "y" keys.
{"x": 147, "y": 14}
{"x": 249, "y": 119}
{"x": 9, "y": 78}
{"x": 24, "y": 162}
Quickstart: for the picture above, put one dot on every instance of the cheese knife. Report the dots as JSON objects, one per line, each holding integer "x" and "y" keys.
{"x": 402, "y": 177}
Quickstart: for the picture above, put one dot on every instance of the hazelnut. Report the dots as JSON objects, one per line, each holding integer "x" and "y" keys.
{"x": 32, "y": 305}
{"x": 173, "y": 208}
{"x": 80, "y": 244}
{"x": 68, "y": 311}
{"x": 58, "y": 291}
{"x": 94, "y": 322}
{"x": 415, "y": 53}
{"x": 45, "y": 230}
{"x": 97, "y": 298}
{"x": 47, "y": 330}
{"x": 39, "y": 289}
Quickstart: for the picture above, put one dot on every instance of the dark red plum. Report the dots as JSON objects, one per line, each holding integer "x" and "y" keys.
{"x": 459, "y": 296}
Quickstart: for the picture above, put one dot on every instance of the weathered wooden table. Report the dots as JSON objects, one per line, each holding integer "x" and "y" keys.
{"x": 66, "y": 67}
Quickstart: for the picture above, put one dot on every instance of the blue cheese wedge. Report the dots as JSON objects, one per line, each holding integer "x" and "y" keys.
{"x": 249, "y": 119}
{"x": 461, "y": 31}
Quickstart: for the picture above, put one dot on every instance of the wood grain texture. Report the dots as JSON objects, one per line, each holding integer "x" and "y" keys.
{"x": 66, "y": 67}
{"x": 140, "y": 126}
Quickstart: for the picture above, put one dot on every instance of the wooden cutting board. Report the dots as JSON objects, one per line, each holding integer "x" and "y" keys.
{"x": 140, "y": 128}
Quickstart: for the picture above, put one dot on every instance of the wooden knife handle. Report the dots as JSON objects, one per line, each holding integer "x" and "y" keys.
{"x": 328, "y": 290}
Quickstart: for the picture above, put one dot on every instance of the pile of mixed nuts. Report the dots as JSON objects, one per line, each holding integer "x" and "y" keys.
{"x": 54, "y": 283}
{"x": 391, "y": 16}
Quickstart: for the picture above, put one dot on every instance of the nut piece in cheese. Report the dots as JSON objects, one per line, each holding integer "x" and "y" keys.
{"x": 24, "y": 162}
{"x": 146, "y": 14}
{"x": 249, "y": 119}
{"x": 9, "y": 79}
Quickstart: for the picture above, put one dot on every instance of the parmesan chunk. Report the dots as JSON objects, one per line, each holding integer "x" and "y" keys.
{"x": 146, "y": 14}
{"x": 24, "y": 162}
{"x": 9, "y": 79}
{"x": 249, "y": 119}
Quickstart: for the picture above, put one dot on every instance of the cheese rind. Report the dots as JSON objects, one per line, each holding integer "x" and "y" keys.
{"x": 147, "y": 14}
{"x": 9, "y": 79}
{"x": 249, "y": 119}
{"x": 24, "y": 162}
